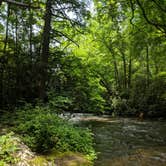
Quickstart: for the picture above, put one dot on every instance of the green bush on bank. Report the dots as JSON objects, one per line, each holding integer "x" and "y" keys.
{"x": 44, "y": 131}
{"x": 7, "y": 150}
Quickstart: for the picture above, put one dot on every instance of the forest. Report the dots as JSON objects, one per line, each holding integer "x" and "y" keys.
{"x": 104, "y": 57}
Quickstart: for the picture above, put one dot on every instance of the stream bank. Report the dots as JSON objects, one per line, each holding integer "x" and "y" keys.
{"x": 126, "y": 141}
{"x": 13, "y": 152}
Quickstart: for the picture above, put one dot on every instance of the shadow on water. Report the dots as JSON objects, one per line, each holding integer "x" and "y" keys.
{"x": 127, "y": 142}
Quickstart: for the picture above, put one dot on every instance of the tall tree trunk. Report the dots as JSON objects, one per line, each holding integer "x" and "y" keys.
{"x": 45, "y": 52}
{"x": 16, "y": 36}
{"x": 7, "y": 29}
{"x": 18, "y": 78}
{"x": 124, "y": 69}
{"x": 147, "y": 66}
{"x": 129, "y": 72}
{"x": 2, "y": 86}
{"x": 156, "y": 67}
{"x": 116, "y": 72}
{"x": 30, "y": 30}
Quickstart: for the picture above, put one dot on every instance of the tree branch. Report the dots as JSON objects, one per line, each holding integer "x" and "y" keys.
{"x": 61, "y": 34}
{"x": 24, "y": 5}
{"x": 132, "y": 9}
{"x": 159, "y": 6}
{"x": 159, "y": 26}
{"x": 132, "y": 17}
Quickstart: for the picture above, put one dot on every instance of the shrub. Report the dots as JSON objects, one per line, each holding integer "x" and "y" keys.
{"x": 43, "y": 131}
{"x": 7, "y": 150}
{"x": 119, "y": 106}
{"x": 59, "y": 103}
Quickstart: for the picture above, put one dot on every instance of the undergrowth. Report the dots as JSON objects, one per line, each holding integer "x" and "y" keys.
{"x": 43, "y": 131}
{"x": 8, "y": 149}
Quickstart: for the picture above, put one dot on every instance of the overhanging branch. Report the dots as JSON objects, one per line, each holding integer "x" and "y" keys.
{"x": 159, "y": 6}
{"x": 24, "y": 5}
{"x": 159, "y": 26}
{"x": 61, "y": 34}
{"x": 133, "y": 10}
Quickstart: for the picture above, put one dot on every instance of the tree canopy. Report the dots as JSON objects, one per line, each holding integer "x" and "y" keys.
{"x": 84, "y": 56}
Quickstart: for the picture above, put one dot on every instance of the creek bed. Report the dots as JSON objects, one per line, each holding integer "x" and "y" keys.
{"x": 125, "y": 141}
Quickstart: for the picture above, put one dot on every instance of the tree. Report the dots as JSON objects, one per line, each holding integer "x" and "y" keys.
{"x": 154, "y": 17}
{"x": 27, "y": 44}
{"x": 45, "y": 49}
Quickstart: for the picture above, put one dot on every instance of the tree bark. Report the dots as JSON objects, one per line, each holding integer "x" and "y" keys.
{"x": 130, "y": 69}
{"x": 7, "y": 28}
{"x": 124, "y": 69}
{"x": 30, "y": 30}
{"x": 2, "y": 86}
{"x": 116, "y": 72}
{"x": 24, "y": 5}
{"x": 45, "y": 52}
{"x": 147, "y": 66}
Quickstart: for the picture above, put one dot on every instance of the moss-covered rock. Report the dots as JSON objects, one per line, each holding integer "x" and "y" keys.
{"x": 61, "y": 159}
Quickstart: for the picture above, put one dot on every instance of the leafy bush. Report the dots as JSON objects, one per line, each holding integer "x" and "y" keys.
{"x": 59, "y": 103}
{"x": 7, "y": 150}
{"x": 119, "y": 106}
{"x": 43, "y": 131}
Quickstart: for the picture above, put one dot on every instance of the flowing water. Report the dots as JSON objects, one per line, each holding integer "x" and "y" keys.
{"x": 126, "y": 142}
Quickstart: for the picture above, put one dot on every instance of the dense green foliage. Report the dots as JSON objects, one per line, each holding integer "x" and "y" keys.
{"x": 98, "y": 56}
{"x": 94, "y": 56}
{"x": 7, "y": 149}
{"x": 43, "y": 131}
{"x": 84, "y": 56}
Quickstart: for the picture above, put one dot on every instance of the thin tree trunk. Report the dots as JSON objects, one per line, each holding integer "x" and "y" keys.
{"x": 3, "y": 58}
{"x": 16, "y": 36}
{"x": 30, "y": 30}
{"x": 116, "y": 72}
{"x": 156, "y": 67}
{"x": 45, "y": 52}
{"x": 147, "y": 66}
{"x": 7, "y": 29}
{"x": 130, "y": 69}
{"x": 18, "y": 79}
{"x": 124, "y": 69}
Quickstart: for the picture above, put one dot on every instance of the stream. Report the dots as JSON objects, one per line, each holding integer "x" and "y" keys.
{"x": 125, "y": 141}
